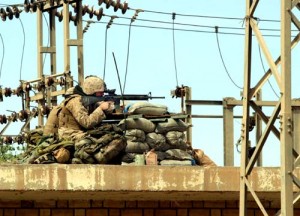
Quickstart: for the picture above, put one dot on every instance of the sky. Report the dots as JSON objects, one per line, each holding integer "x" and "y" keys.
{"x": 161, "y": 56}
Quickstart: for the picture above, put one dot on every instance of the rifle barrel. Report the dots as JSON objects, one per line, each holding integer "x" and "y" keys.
{"x": 138, "y": 97}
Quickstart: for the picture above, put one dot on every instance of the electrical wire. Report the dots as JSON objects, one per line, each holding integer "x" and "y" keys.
{"x": 128, "y": 46}
{"x": 23, "y": 49}
{"x": 184, "y": 30}
{"x": 174, "y": 51}
{"x": 262, "y": 64}
{"x": 201, "y": 16}
{"x": 105, "y": 48}
{"x": 48, "y": 38}
{"x": 223, "y": 60}
{"x": 3, "y": 52}
{"x": 194, "y": 25}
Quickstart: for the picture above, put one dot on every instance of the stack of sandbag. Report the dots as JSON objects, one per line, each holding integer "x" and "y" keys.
{"x": 166, "y": 139}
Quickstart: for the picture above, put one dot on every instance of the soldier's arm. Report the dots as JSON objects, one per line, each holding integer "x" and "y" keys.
{"x": 82, "y": 116}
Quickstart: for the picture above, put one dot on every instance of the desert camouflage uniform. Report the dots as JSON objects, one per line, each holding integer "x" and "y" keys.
{"x": 75, "y": 119}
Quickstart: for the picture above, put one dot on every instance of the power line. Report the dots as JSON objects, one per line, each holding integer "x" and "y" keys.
{"x": 195, "y": 25}
{"x": 127, "y": 59}
{"x": 23, "y": 49}
{"x": 182, "y": 29}
{"x": 224, "y": 62}
{"x": 3, "y": 52}
{"x": 174, "y": 51}
{"x": 262, "y": 64}
{"x": 202, "y": 16}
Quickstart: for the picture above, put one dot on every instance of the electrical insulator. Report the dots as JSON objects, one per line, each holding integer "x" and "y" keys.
{"x": 178, "y": 92}
{"x": 7, "y": 140}
{"x": 19, "y": 139}
{"x": 40, "y": 5}
{"x": 7, "y": 92}
{"x": 72, "y": 18}
{"x": 45, "y": 110}
{"x": 26, "y": 136}
{"x": 1, "y": 95}
{"x": 10, "y": 13}
{"x": 125, "y": 7}
{"x": 100, "y": 2}
{"x": 62, "y": 81}
{"x": 41, "y": 86}
{"x": 74, "y": 6}
{"x": 49, "y": 81}
{"x": 59, "y": 15}
{"x": 28, "y": 87}
{"x": 91, "y": 12}
{"x": 3, "y": 119}
{"x": 88, "y": 10}
{"x": 252, "y": 123}
{"x": 99, "y": 13}
{"x": 108, "y": 3}
{"x": 16, "y": 11}
{"x": 3, "y": 14}
{"x": 111, "y": 21}
{"x": 34, "y": 113}
{"x": 117, "y": 5}
{"x": 26, "y": 6}
{"x": 14, "y": 117}
{"x": 23, "y": 115}
{"x": 33, "y": 5}
{"x": 19, "y": 91}
{"x": 84, "y": 9}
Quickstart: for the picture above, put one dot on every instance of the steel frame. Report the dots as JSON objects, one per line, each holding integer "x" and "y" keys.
{"x": 283, "y": 108}
{"x": 50, "y": 96}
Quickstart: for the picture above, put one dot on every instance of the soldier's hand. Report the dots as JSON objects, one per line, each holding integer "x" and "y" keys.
{"x": 107, "y": 106}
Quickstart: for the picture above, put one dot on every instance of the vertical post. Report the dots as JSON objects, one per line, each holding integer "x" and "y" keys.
{"x": 66, "y": 21}
{"x": 228, "y": 133}
{"x": 296, "y": 125}
{"x": 188, "y": 108}
{"x": 40, "y": 61}
{"x": 286, "y": 139}
{"x": 258, "y": 122}
{"x": 52, "y": 30}
{"x": 246, "y": 110}
{"x": 80, "y": 39}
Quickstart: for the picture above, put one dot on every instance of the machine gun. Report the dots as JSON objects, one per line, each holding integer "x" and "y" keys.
{"x": 110, "y": 95}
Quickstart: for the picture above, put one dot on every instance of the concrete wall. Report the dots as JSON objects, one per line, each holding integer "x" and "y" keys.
{"x": 90, "y": 190}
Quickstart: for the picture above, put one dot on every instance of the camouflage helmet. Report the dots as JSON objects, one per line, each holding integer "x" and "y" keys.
{"x": 92, "y": 84}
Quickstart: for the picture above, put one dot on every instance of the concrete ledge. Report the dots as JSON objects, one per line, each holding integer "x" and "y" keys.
{"x": 108, "y": 182}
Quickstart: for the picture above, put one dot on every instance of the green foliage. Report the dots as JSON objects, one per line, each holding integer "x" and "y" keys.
{"x": 10, "y": 153}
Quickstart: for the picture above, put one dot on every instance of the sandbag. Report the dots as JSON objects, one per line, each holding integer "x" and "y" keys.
{"x": 175, "y": 163}
{"x": 176, "y": 140}
{"x": 110, "y": 151}
{"x": 157, "y": 141}
{"x": 138, "y": 123}
{"x": 178, "y": 154}
{"x": 128, "y": 157}
{"x": 172, "y": 125}
{"x": 135, "y": 135}
{"x": 161, "y": 155}
{"x": 147, "y": 108}
{"x": 136, "y": 147}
